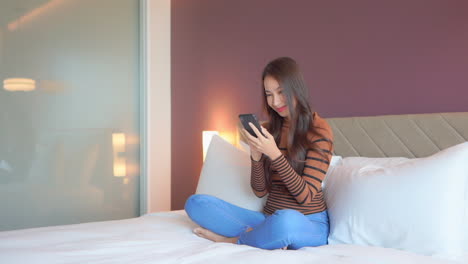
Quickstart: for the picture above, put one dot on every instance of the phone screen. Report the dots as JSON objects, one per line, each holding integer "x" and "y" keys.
{"x": 250, "y": 118}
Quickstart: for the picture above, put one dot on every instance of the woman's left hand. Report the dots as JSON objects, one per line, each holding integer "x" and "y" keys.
{"x": 265, "y": 144}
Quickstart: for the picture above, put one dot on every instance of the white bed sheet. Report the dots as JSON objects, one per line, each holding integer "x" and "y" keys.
{"x": 167, "y": 238}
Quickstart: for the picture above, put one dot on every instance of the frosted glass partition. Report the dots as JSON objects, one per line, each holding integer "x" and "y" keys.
{"x": 69, "y": 111}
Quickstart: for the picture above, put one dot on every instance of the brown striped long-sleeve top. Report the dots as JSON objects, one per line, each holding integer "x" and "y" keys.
{"x": 290, "y": 190}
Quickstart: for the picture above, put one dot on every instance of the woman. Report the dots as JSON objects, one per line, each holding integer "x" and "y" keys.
{"x": 289, "y": 163}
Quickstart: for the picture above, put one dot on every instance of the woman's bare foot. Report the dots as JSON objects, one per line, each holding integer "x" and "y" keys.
{"x": 205, "y": 233}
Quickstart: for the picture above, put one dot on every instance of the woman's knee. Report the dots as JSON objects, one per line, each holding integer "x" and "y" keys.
{"x": 197, "y": 201}
{"x": 194, "y": 200}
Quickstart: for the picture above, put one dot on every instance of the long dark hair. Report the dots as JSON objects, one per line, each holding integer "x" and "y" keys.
{"x": 286, "y": 72}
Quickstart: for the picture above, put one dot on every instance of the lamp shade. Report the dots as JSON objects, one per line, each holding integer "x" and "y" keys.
{"x": 207, "y": 135}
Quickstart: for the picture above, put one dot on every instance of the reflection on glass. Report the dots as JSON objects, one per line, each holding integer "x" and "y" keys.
{"x": 61, "y": 160}
{"x": 34, "y": 13}
{"x": 19, "y": 84}
{"x": 118, "y": 146}
{"x": 118, "y": 142}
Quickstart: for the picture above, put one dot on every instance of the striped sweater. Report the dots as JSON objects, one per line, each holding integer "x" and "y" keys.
{"x": 290, "y": 190}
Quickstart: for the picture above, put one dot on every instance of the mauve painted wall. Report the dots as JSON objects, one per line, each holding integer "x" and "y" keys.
{"x": 358, "y": 58}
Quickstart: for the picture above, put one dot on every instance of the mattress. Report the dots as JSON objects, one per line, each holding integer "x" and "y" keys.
{"x": 167, "y": 237}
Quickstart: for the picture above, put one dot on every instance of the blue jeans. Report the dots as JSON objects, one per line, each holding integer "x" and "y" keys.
{"x": 285, "y": 227}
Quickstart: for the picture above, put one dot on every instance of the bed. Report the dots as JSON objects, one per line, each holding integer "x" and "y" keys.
{"x": 166, "y": 237}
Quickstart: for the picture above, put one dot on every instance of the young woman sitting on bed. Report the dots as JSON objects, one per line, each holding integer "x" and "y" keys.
{"x": 289, "y": 163}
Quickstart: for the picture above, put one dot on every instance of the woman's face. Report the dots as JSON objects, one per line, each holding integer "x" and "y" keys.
{"x": 275, "y": 97}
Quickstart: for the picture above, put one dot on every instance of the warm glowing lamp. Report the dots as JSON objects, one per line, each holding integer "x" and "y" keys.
{"x": 19, "y": 84}
{"x": 118, "y": 146}
{"x": 118, "y": 142}
{"x": 120, "y": 168}
{"x": 229, "y": 137}
{"x": 207, "y": 135}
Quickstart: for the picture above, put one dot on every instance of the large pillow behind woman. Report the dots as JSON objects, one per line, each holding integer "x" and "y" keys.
{"x": 410, "y": 204}
{"x": 226, "y": 175}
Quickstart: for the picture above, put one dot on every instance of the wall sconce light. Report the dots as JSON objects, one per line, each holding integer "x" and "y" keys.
{"x": 19, "y": 84}
{"x": 207, "y": 135}
{"x": 118, "y": 147}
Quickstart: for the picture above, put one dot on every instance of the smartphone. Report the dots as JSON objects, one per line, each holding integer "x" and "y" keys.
{"x": 250, "y": 118}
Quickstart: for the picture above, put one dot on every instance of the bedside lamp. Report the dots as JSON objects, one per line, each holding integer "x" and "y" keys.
{"x": 207, "y": 135}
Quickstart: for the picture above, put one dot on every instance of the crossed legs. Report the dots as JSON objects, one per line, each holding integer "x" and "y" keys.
{"x": 221, "y": 221}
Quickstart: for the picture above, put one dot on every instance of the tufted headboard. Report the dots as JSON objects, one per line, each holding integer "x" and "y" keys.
{"x": 413, "y": 136}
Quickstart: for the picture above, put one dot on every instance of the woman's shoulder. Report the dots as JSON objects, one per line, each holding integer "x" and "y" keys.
{"x": 322, "y": 126}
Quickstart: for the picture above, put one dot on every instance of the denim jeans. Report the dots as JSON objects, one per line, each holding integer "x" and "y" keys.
{"x": 283, "y": 228}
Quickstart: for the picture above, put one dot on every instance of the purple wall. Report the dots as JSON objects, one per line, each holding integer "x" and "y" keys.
{"x": 358, "y": 58}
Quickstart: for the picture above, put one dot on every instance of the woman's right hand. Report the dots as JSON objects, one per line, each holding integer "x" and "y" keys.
{"x": 256, "y": 155}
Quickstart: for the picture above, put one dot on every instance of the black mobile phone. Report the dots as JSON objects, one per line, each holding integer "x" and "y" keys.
{"x": 250, "y": 118}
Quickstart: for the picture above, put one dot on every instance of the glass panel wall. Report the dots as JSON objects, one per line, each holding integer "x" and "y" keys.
{"x": 69, "y": 111}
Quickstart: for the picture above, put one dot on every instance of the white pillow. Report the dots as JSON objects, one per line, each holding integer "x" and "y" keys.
{"x": 226, "y": 174}
{"x": 465, "y": 240}
{"x": 411, "y": 204}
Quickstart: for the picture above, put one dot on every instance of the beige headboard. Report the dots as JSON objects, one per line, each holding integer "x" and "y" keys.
{"x": 417, "y": 135}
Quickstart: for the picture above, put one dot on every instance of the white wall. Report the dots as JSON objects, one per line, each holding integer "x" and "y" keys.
{"x": 158, "y": 23}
